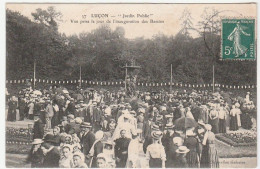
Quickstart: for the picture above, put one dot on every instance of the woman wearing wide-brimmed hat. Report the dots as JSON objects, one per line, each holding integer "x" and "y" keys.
{"x": 36, "y": 156}
{"x": 209, "y": 156}
{"x": 155, "y": 153}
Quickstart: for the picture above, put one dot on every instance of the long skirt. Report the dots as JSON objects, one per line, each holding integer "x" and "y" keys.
{"x": 233, "y": 123}
{"x": 193, "y": 159}
{"x": 21, "y": 113}
{"x": 215, "y": 125}
{"x": 11, "y": 116}
{"x": 222, "y": 125}
{"x": 246, "y": 121}
{"x": 155, "y": 163}
{"x": 228, "y": 120}
{"x": 209, "y": 157}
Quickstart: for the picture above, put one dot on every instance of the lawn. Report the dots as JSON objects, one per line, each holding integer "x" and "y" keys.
{"x": 227, "y": 151}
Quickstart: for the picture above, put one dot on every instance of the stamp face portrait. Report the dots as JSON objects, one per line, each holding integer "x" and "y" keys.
{"x": 238, "y": 39}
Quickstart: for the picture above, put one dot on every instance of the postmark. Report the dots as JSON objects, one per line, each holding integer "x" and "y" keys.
{"x": 238, "y": 39}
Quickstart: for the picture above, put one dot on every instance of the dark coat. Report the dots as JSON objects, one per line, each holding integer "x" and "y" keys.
{"x": 98, "y": 148}
{"x": 171, "y": 156}
{"x": 51, "y": 159}
{"x": 36, "y": 158}
{"x": 75, "y": 129}
{"x": 148, "y": 140}
{"x": 69, "y": 127}
{"x": 57, "y": 140}
{"x": 87, "y": 141}
{"x": 97, "y": 114}
{"x": 38, "y": 129}
{"x": 147, "y": 129}
{"x": 71, "y": 108}
{"x": 121, "y": 151}
{"x": 11, "y": 116}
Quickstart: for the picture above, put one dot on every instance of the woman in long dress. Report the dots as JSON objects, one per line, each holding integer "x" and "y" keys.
{"x": 235, "y": 36}
{"x": 233, "y": 119}
{"x": 192, "y": 143}
{"x": 133, "y": 160}
{"x": 213, "y": 120}
{"x": 12, "y": 106}
{"x": 209, "y": 156}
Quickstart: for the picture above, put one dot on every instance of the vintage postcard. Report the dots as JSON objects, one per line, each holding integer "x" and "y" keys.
{"x": 131, "y": 85}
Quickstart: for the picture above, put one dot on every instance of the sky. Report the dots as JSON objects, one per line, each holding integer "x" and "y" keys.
{"x": 167, "y": 14}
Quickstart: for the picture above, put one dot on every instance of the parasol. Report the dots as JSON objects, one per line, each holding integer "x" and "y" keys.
{"x": 185, "y": 123}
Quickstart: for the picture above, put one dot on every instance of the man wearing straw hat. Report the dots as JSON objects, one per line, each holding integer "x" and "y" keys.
{"x": 87, "y": 139}
{"x": 35, "y": 156}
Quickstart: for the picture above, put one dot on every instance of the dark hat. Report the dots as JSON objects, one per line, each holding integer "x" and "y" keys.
{"x": 85, "y": 125}
{"x": 49, "y": 138}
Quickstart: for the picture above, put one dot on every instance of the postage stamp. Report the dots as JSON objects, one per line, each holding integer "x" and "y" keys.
{"x": 238, "y": 39}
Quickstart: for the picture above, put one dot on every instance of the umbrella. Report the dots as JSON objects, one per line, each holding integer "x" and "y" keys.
{"x": 184, "y": 123}
{"x": 37, "y": 92}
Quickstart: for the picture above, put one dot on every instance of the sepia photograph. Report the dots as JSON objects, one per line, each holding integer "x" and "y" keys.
{"x": 130, "y": 85}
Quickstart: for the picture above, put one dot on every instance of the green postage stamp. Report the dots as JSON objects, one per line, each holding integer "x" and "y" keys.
{"x": 238, "y": 39}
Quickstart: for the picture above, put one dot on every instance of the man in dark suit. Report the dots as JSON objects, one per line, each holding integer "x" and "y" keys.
{"x": 71, "y": 109}
{"x": 38, "y": 128}
{"x": 51, "y": 156}
{"x": 147, "y": 127}
{"x": 148, "y": 139}
{"x": 121, "y": 149}
{"x": 71, "y": 123}
{"x": 87, "y": 139}
{"x": 97, "y": 115}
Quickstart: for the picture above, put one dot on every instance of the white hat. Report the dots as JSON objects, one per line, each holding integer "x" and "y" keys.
{"x": 177, "y": 140}
{"x": 182, "y": 150}
{"x": 78, "y": 120}
{"x": 37, "y": 141}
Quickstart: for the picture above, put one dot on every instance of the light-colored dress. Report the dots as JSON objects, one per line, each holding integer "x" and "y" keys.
{"x": 133, "y": 160}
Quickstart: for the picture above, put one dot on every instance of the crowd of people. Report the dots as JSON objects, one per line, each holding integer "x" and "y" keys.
{"x": 103, "y": 129}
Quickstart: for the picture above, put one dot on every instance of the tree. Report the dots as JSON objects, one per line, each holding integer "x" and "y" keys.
{"x": 49, "y": 17}
{"x": 187, "y": 24}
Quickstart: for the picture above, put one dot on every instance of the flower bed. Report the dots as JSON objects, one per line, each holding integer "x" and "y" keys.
{"x": 239, "y": 138}
{"x": 18, "y": 134}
